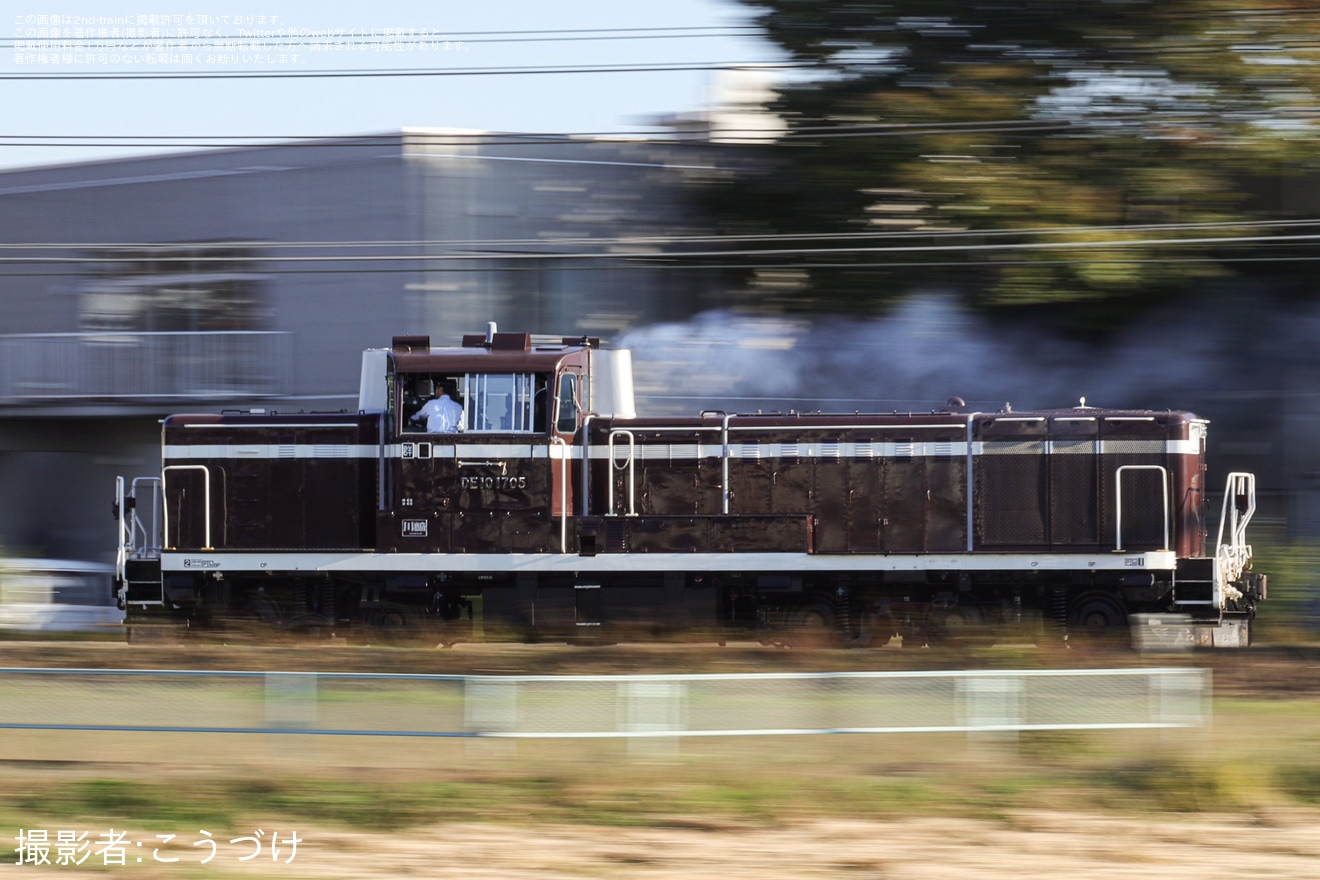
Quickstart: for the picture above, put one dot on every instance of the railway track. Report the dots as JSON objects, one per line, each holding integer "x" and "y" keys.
{"x": 1262, "y": 671}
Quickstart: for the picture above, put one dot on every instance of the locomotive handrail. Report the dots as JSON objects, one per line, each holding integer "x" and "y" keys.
{"x": 206, "y": 501}
{"x": 1235, "y": 555}
{"x": 484, "y": 462}
{"x": 724, "y": 464}
{"x": 134, "y": 538}
{"x": 121, "y": 553}
{"x": 149, "y": 548}
{"x": 135, "y": 541}
{"x": 382, "y": 471}
{"x": 586, "y": 463}
{"x": 1118, "y": 500}
{"x": 628, "y": 465}
{"x": 971, "y": 482}
{"x": 725, "y": 418}
{"x": 563, "y": 492}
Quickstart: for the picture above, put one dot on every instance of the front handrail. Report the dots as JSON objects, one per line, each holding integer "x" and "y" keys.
{"x": 121, "y": 552}
{"x": 136, "y": 540}
{"x": 150, "y": 537}
{"x": 1235, "y": 556}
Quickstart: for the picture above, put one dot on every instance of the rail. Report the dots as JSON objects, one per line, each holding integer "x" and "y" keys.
{"x": 128, "y": 367}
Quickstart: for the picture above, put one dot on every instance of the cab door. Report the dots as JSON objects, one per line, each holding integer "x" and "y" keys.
{"x": 566, "y": 467}
{"x": 484, "y": 488}
{"x": 501, "y": 467}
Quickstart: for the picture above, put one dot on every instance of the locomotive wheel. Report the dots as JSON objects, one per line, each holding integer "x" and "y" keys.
{"x": 265, "y": 610}
{"x": 312, "y": 625}
{"x": 812, "y": 627}
{"x": 959, "y": 626}
{"x": 156, "y": 634}
{"x": 875, "y": 630}
{"x": 394, "y": 628}
{"x": 402, "y": 626}
{"x": 1099, "y": 620}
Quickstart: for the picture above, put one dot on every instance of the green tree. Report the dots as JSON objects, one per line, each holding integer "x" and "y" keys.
{"x": 1059, "y": 155}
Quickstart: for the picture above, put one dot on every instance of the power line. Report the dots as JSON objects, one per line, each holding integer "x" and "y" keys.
{"x": 313, "y": 34}
{"x": 406, "y": 138}
{"x": 673, "y": 239}
{"x": 340, "y": 73}
{"x": 342, "y": 270}
{"x": 677, "y": 136}
{"x": 329, "y": 38}
{"x": 635, "y": 240}
{"x": 652, "y": 256}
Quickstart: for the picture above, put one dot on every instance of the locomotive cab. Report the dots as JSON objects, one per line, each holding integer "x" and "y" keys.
{"x": 498, "y": 471}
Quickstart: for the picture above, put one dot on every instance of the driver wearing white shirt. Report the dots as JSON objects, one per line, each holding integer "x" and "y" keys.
{"x": 443, "y": 415}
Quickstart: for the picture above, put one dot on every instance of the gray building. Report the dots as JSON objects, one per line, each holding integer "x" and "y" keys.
{"x": 255, "y": 276}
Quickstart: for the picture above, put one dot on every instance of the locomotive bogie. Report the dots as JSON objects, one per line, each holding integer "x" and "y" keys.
{"x": 616, "y": 596}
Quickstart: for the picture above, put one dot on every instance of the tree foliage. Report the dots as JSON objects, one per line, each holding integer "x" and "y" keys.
{"x": 1076, "y": 156}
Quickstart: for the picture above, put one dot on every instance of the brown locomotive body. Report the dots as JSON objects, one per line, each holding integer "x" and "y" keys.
{"x": 554, "y": 511}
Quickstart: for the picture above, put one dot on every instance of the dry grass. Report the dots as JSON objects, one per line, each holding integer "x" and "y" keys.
{"x": 1240, "y": 797}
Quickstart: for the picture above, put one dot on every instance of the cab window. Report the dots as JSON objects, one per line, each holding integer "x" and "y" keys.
{"x": 567, "y": 419}
{"x": 500, "y": 402}
{"x": 416, "y": 389}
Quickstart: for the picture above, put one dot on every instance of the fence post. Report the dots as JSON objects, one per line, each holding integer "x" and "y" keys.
{"x": 992, "y": 708}
{"x": 1178, "y": 698}
{"x": 291, "y": 705}
{"x": 652, "y": 707}
{"x": 291, "y": 700}
{"x": 490, "y": 706}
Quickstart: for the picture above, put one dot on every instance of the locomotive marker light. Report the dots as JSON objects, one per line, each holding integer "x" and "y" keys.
{"x": 558, "y": 504}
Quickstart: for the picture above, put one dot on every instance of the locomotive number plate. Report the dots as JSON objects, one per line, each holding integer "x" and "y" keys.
{"x": 414, "y": 528}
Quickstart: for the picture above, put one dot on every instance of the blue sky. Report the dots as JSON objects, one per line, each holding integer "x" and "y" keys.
{"x": 296, "y": 107}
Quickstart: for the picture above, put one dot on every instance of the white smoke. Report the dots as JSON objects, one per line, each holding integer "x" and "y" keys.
{"x": 931, "y": 349}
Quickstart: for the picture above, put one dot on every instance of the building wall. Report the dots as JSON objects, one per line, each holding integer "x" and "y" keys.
{"x": 57, "y": 478}
{"x": 255, "y": 199}
{"x": 174, "y": 261}
{"x": 563, "y": 231}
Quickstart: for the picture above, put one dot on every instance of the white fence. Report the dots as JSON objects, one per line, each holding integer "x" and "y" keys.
{"x": 595, "y": 707}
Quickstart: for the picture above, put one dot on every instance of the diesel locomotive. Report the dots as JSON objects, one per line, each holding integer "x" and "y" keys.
{"x": 546, "y": 508}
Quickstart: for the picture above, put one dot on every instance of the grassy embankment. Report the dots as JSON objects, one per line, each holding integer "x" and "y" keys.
{"x": 1261, "y": 751}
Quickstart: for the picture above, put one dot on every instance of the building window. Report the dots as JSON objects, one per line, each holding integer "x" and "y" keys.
{"x": 174, "y": 289}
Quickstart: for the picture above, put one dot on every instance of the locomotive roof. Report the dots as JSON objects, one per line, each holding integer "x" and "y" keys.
{"x": 933, "y": 418}
{"x": 497, "y": 353}
{"x": 1089, "y": 412}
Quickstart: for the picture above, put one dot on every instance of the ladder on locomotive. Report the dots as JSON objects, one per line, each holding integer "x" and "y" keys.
{"x": 137, "y": 559}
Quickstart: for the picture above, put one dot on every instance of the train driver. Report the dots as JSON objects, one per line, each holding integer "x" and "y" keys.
{"x": 442, "y": 413}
